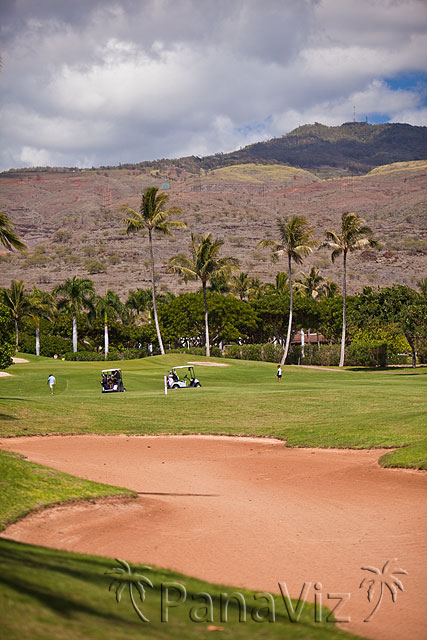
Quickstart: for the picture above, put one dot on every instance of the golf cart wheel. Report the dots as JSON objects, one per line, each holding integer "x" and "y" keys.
{"x": 175, "y": 386}
{"x": 197, "y": 384}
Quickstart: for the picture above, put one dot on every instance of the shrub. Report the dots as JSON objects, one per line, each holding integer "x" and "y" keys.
{"x": 7, "y": 347}
{"x": 422, "y": 351}
{"x": 49, "y": 345}
{"x": 93, "y": 356}
{"x": 94, "y": 266}
{"x": 366, "y": 354}
{"x": 324, "y": 355}
{"x": 198, "y": 351}
{"x": 272, "y": 352}
{"x": 61, "y": 236}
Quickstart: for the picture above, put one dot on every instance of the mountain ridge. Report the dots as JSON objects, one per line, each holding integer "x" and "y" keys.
{"x": 353, "y": 148}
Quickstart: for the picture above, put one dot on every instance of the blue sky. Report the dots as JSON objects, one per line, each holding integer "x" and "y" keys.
{"x": 98, "y": 82}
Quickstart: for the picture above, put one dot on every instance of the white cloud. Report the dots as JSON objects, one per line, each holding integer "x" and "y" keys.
{"x": 117, "y": 80}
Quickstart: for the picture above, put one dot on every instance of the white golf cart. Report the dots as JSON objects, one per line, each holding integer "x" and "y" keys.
{"x": 112, "y": 381}
{"x": 182, "y": 378}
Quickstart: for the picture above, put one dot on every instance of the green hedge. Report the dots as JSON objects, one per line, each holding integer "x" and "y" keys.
{"x": 91, "y": 356}
{"x": 264, "y": 352}
{"x": 49, "y": 345}
{"x": 198, "y": 351}
{"x": 324, "y": 355}
{"x": 366, "y": 354}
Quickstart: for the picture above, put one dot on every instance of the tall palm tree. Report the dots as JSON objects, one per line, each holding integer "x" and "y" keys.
{"x": 42, "y": 306}
{"x": 204, "y": 263}
{"x": 296, "y": 242}
{"x": 108, "y": 307}
{"x": 354, "y": 235}
{"x": 75, "y": 295}
{"x": 8, "y": 237}
{"x": 152, "y": 216}
{"x": 18, "y": 303}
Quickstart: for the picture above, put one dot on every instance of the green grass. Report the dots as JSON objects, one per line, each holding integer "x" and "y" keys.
{"x": 64, "y": 595}
{"x": 26, "y": 486}
{"x": 45, "y": 594}
{"x": 311, "y": 408}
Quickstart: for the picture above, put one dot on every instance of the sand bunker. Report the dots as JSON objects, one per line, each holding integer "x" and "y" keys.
{"x": 19, "y": 360}
{"x": 246, "y": 512}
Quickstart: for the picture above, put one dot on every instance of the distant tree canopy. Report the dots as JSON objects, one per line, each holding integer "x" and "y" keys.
{"x": 7, "y": 347}
{"x": 184, "y": 318}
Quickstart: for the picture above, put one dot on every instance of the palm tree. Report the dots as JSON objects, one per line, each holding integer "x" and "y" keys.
{"x": 18, "y": 303}
{"x": 8, "y": 237}
{"x": 76, "y": 294}
{"x": 42, "y": 306}
{"x": 311, "y": 284}
{"x": 295, "y": 242}
{"x": 140, "y": 302}
{"x": 203, "y": 264}
{"x": 256, "y": 288}
{"x": 152, "y": 216}
{"x": 109, "y": 307}
{"x": 354, "y": 235}
{"x": 422, "y": 286}
{"x": 387, "y": 579}
{"x": 330, "y": 289}
{"x": 123, "y": 577}
{"x": 240, "y": 285}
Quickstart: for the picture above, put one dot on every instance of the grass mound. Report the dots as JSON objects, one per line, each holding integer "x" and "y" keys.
{"x": 46, "y": 593}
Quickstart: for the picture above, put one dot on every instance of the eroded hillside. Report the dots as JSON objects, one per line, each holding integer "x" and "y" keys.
{"x": 71, "y": 223}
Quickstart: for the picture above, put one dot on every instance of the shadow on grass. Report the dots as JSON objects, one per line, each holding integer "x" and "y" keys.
{"x": 5, "y": 416}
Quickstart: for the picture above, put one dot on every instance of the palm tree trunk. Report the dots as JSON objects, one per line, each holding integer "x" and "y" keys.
{"x": 106, "y": 340}
{"x": 74, "y": 333}
{"x": 37, "y": 340}
{"x": 291, "y": 305}
{"x": 153, "y": 291}
{"x": 208, "y": 347}
{"x": 16, "y": 334}
{"x": 344, "y": 309}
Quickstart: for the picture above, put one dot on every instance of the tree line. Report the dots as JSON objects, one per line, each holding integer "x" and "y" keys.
{"x": 262, "y": 306}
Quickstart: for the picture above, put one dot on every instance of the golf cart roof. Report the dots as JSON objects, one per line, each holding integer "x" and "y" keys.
{"x": 190, "y": 366}
{"x": 109, "y": 370}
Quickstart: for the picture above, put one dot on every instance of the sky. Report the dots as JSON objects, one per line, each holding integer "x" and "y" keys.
{"x": 101, "y": 82}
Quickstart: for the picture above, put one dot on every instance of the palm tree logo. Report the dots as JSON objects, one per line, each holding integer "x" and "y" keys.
{"x": 387, "y": 578}
{"x": 124, "y": 577}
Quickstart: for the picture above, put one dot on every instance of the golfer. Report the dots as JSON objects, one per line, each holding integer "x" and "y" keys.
{"x": 279, "y": 373}
{"x": 51, "y": 382}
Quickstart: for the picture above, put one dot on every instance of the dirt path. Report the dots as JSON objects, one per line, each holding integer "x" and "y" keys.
{"x": 247, "y": 512}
